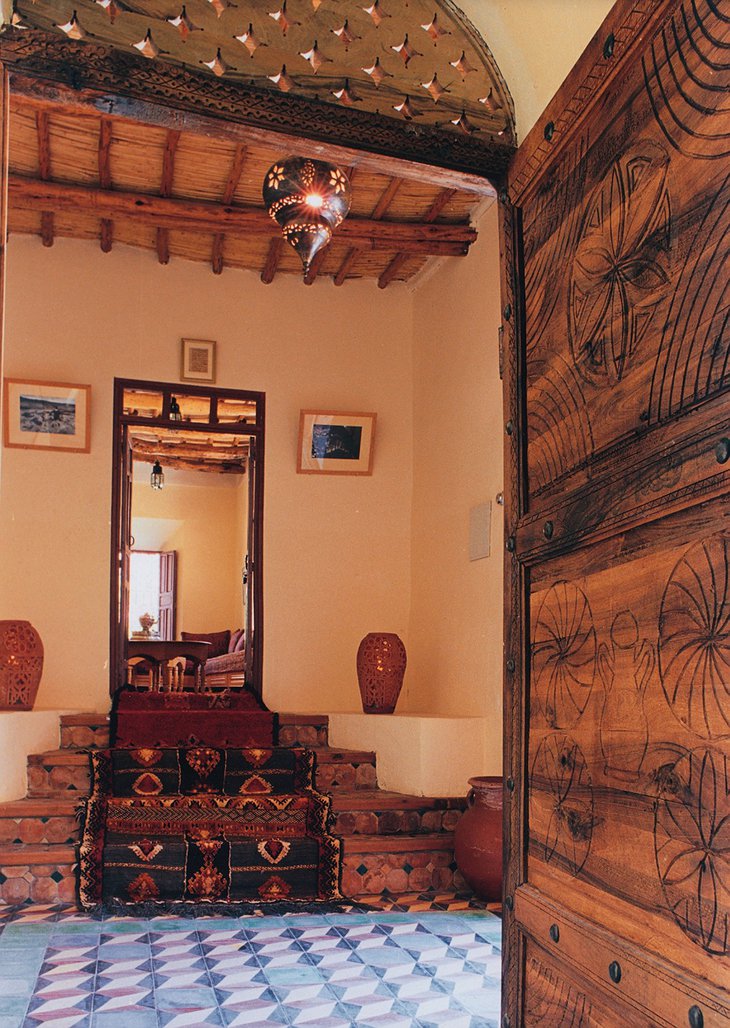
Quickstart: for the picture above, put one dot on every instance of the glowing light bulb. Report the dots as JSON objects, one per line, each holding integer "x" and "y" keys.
{"x": 313, "y": 200}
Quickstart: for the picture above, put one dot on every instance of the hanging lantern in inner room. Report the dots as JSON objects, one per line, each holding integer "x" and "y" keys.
{"x": 157, "y": 478}
{"x": 308, "y": 199}
{"x": 175, "y": 412}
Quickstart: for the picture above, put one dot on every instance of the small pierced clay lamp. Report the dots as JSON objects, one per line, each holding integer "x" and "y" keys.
{"x": 308, "y": 199}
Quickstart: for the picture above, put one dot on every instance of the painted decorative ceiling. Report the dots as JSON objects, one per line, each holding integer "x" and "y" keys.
{"x": 419, "y": 61}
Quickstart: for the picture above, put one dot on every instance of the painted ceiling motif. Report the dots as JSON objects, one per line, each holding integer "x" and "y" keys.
{"x": 418, "y": 61}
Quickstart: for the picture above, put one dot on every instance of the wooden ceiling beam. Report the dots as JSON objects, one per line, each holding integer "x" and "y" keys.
{"x": 386, "y": 199}
{"x": 400, "y": 258}
{"x": 205, "y": 451}
{"x": 191, "y": 464}
{"x": 234, "y": 177}
{"x": 485, "y": 158}
{"x": 379, "y": 210}
{"x": 106, "y": 232}
{"x": 196, "y": 216}
{"x": 168, "y": 174}
{"x": 272, "y": 259}
{"x": 44, "y": 170}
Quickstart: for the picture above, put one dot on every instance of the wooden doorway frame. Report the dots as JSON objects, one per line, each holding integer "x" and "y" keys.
{"x": 121, "y": 505}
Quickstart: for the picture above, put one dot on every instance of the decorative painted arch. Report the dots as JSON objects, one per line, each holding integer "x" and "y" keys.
{"x": 422, "y": 62}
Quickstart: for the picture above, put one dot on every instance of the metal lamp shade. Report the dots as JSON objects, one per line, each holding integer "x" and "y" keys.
{"x": 288, "y": 187}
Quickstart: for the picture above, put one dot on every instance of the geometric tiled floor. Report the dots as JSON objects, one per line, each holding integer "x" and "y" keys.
{"x": 389, "y": 968}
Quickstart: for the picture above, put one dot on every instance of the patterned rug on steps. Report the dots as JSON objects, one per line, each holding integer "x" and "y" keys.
{"x": 145, "y": 718}
{"x": 204, "y": 824}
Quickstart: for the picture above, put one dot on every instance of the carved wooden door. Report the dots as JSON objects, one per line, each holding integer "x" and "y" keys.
{"x": 617, "y": 302}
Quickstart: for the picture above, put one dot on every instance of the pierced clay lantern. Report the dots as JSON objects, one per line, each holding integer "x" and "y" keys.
{"x": 21, "y": 665}
{"x": 381, "y": 665}
{"x": 308, "y": 199}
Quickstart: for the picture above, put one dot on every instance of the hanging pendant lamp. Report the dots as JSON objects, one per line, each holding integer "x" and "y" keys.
{"x": 308, "y": 199}
{"x": 157, "y": 478}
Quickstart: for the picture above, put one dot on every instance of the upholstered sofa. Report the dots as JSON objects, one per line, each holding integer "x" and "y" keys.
{"x": 225, "y": 668}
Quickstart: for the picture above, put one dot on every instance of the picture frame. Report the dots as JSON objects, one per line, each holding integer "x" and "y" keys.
{"x": 197, "y": 360}
{"x": 47, "y": 415}
{"x": 336, "y": 442}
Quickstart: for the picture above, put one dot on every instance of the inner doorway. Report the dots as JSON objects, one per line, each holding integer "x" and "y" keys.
{"x": 184, "y": 438}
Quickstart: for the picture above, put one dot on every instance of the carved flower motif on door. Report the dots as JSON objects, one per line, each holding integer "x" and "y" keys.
{"x": 694, "y": 638}
{"x": 692, "y": 845}
{"x": 564, "y": 654}
{"x": 561, "y": 803}
{"x": 619, "y": 273}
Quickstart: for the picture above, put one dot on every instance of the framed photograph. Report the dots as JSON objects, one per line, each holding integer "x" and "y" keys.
{"x": 335, "y": 443}
{"x": 47, "y": 415}
{"x": 197, "y": 362}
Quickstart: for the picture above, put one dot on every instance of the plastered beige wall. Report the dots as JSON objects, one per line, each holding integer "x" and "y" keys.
{"x": 456, "y": 610}
{"x": 207, "y": 544}
{"x": 337, "y": 549}
{"x": 535, "y": 44}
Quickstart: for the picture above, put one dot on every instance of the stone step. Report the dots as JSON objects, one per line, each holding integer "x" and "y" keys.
{"x": 303, "y": 730}
{"x": 61, "y": 772}
{"x": 365, "y": 812}
{"x": 43, "y": 874}
{"x": 371, "y": 865}
{"x": 377, "y": 812}
{"x": 31, "y": 821}
{"x": 82, "y": 731}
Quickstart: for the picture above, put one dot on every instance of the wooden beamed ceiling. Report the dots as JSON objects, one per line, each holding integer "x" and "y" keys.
{"x": 191, "y": 451}
{"x": 87, "y": 175}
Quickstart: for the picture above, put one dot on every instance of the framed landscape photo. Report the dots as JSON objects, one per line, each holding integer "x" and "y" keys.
{"x": 197, "y": 360}
{"x": 47, "y": 415}
{"x": 335, "y": 443}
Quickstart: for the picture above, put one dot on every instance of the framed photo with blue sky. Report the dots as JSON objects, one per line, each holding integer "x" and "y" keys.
{"x": 47, "y": 415}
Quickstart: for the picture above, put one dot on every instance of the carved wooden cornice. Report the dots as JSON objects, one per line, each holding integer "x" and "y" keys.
{"x": 89, "y": 66}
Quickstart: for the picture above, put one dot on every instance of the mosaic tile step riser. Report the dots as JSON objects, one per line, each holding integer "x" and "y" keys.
{"x": 69, "y": 779}
{"x": 363, "y": 876}
{"x": 41, "y": 829}
{"x": 85, "y": 736}
{"x": 56, "y": 829}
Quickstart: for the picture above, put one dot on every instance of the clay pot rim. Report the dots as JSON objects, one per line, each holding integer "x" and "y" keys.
{"x": 485, "y": 781}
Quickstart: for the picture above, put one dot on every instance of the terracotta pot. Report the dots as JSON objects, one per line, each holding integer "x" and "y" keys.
{"x": 381, "y": 665}
{"x": 21, "y": 665}
{"x": 478, "y": 838}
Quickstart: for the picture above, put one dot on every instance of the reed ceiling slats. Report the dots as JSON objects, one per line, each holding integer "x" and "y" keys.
{"x": 118, "y": 181}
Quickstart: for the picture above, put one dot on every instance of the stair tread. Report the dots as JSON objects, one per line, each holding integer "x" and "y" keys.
{"x": 20, "y": 854}
{"x": 382, "y": 799}
{"x": 397, "y": 843}
{"x": 39, "y": 806}
{"x": 85, "y": 719}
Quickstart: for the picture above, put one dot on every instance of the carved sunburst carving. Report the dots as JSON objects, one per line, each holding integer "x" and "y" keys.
{"x": 619, "y": 272}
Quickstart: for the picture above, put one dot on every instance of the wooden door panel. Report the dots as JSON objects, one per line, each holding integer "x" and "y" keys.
{"x": 653, "y": 476}
{"x": 629, "y": 777}
{"x": 627, "y": 292}
{"x": 617, "y": 626}
{"x": 553, "y": 999}
{"x": 579, "y": 974}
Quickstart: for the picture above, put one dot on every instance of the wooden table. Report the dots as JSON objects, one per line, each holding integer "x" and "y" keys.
{"x": 161, "y": 653}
